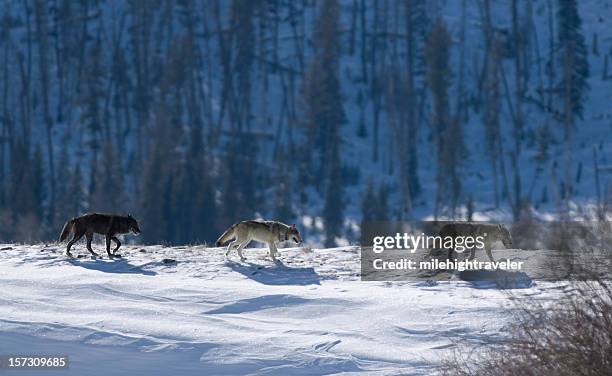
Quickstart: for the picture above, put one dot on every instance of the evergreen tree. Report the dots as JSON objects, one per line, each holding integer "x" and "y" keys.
{"x": 238, "y": 188}
{"x": 325, "y": 115}
{"x": 334, "y": 206}
{"x": 491, "y": 113}
{"x": 417, "y": 25}
{"x": 90, "y": 97}
{"x": 573, "y": 85}
{"x": 151, "y": 206}
{"x": 573, "y": 58}
{"x": 26, "y": 192}
{"x": 447, "y": 132}
{"x": 193, "y": 198}
{"x": 323, "y": 97}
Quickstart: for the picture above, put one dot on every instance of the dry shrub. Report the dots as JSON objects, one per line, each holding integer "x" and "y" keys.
{"x": 571, "y": 336}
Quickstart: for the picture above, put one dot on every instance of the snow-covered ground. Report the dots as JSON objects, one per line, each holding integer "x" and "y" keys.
{"x": 205, "y": 315}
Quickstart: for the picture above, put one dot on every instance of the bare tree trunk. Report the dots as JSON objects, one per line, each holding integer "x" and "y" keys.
{"x": 551, "y": 54}
{"x": 364, "y": 39}
{"x": 43, "y": 48}
{"x": 519, "y": 74}
{"x": 567, "y": 131}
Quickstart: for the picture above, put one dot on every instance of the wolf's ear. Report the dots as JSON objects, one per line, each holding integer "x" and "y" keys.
{"x": 130, "y": 216}
{"x": 292, "y": 225}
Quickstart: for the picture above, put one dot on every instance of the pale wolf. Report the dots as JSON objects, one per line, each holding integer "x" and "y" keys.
{"x": 108, "y": 225}
{"x": 270, "y": 232}
{"x": 490, "y": 232}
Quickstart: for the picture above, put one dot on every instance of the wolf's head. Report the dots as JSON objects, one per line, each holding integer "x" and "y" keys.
{"x": 293, "y": 234}
{"x": 505, "y": 235}
{"x": 133, "y": 224}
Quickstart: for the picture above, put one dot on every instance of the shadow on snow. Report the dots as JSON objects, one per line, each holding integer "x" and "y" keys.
{"x": 116, "y": 265}
{"x": 276, "y": 274}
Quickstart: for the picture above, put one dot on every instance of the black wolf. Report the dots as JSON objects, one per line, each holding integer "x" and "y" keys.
{"x": 108, "y": 225}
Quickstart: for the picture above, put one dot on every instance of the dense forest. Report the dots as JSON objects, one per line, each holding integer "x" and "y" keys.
{"x": 192, "y": 115}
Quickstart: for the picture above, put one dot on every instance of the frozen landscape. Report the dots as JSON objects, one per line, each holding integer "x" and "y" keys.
{"x": 195, "y": 115}
{"x": 187, "y": 310}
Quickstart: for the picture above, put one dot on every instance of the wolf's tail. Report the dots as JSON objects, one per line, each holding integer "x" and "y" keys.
{"x": 227, "y": 235}
{"x": 66, "y": 230}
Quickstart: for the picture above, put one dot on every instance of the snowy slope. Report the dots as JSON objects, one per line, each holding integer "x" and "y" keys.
{"x": 205, "y": 315}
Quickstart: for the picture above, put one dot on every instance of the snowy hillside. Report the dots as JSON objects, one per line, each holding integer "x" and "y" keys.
{"x": 187, "y": 310}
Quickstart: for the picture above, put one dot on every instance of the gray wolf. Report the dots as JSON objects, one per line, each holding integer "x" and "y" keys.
{"x": 270, "y": 232}
{"x": 490, "y": 232}
{"x": 108, "y": 225}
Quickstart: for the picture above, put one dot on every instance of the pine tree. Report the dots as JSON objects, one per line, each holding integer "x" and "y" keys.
{"x": 490, "y": 115}
{"x": 325, "y": 115}
{"x": 417, "y": 25}
{"x": 573, "y": 85}
{"x": 573, "y": 58}
{"x": 447, "y": 132}
{"x": 151, "y": 206}
{"x": 193, "y": 197}
{"x": 334, "y": 206}
{"x": 27, "y": 194}
{"x": 27, "y": 189}
{"x": 239, "y": 183}
{"x": 323, "y": 97}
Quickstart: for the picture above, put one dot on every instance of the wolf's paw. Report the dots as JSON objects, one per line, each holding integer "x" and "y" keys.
{"x": 68, "y": 254}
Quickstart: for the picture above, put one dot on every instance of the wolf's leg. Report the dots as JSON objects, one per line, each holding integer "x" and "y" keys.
{"x": 230, "y": 246}
{"x": 89, "y": 236}
{"x": 75, "y": 239}
{"x": 114, "y": 238}
{"x": 108, "y": 241}
{"x": 240, "y": 248}
{"x": 272, "y": 251}
{"x": 489, "y": 255}
{"x": 472, "y": 253}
